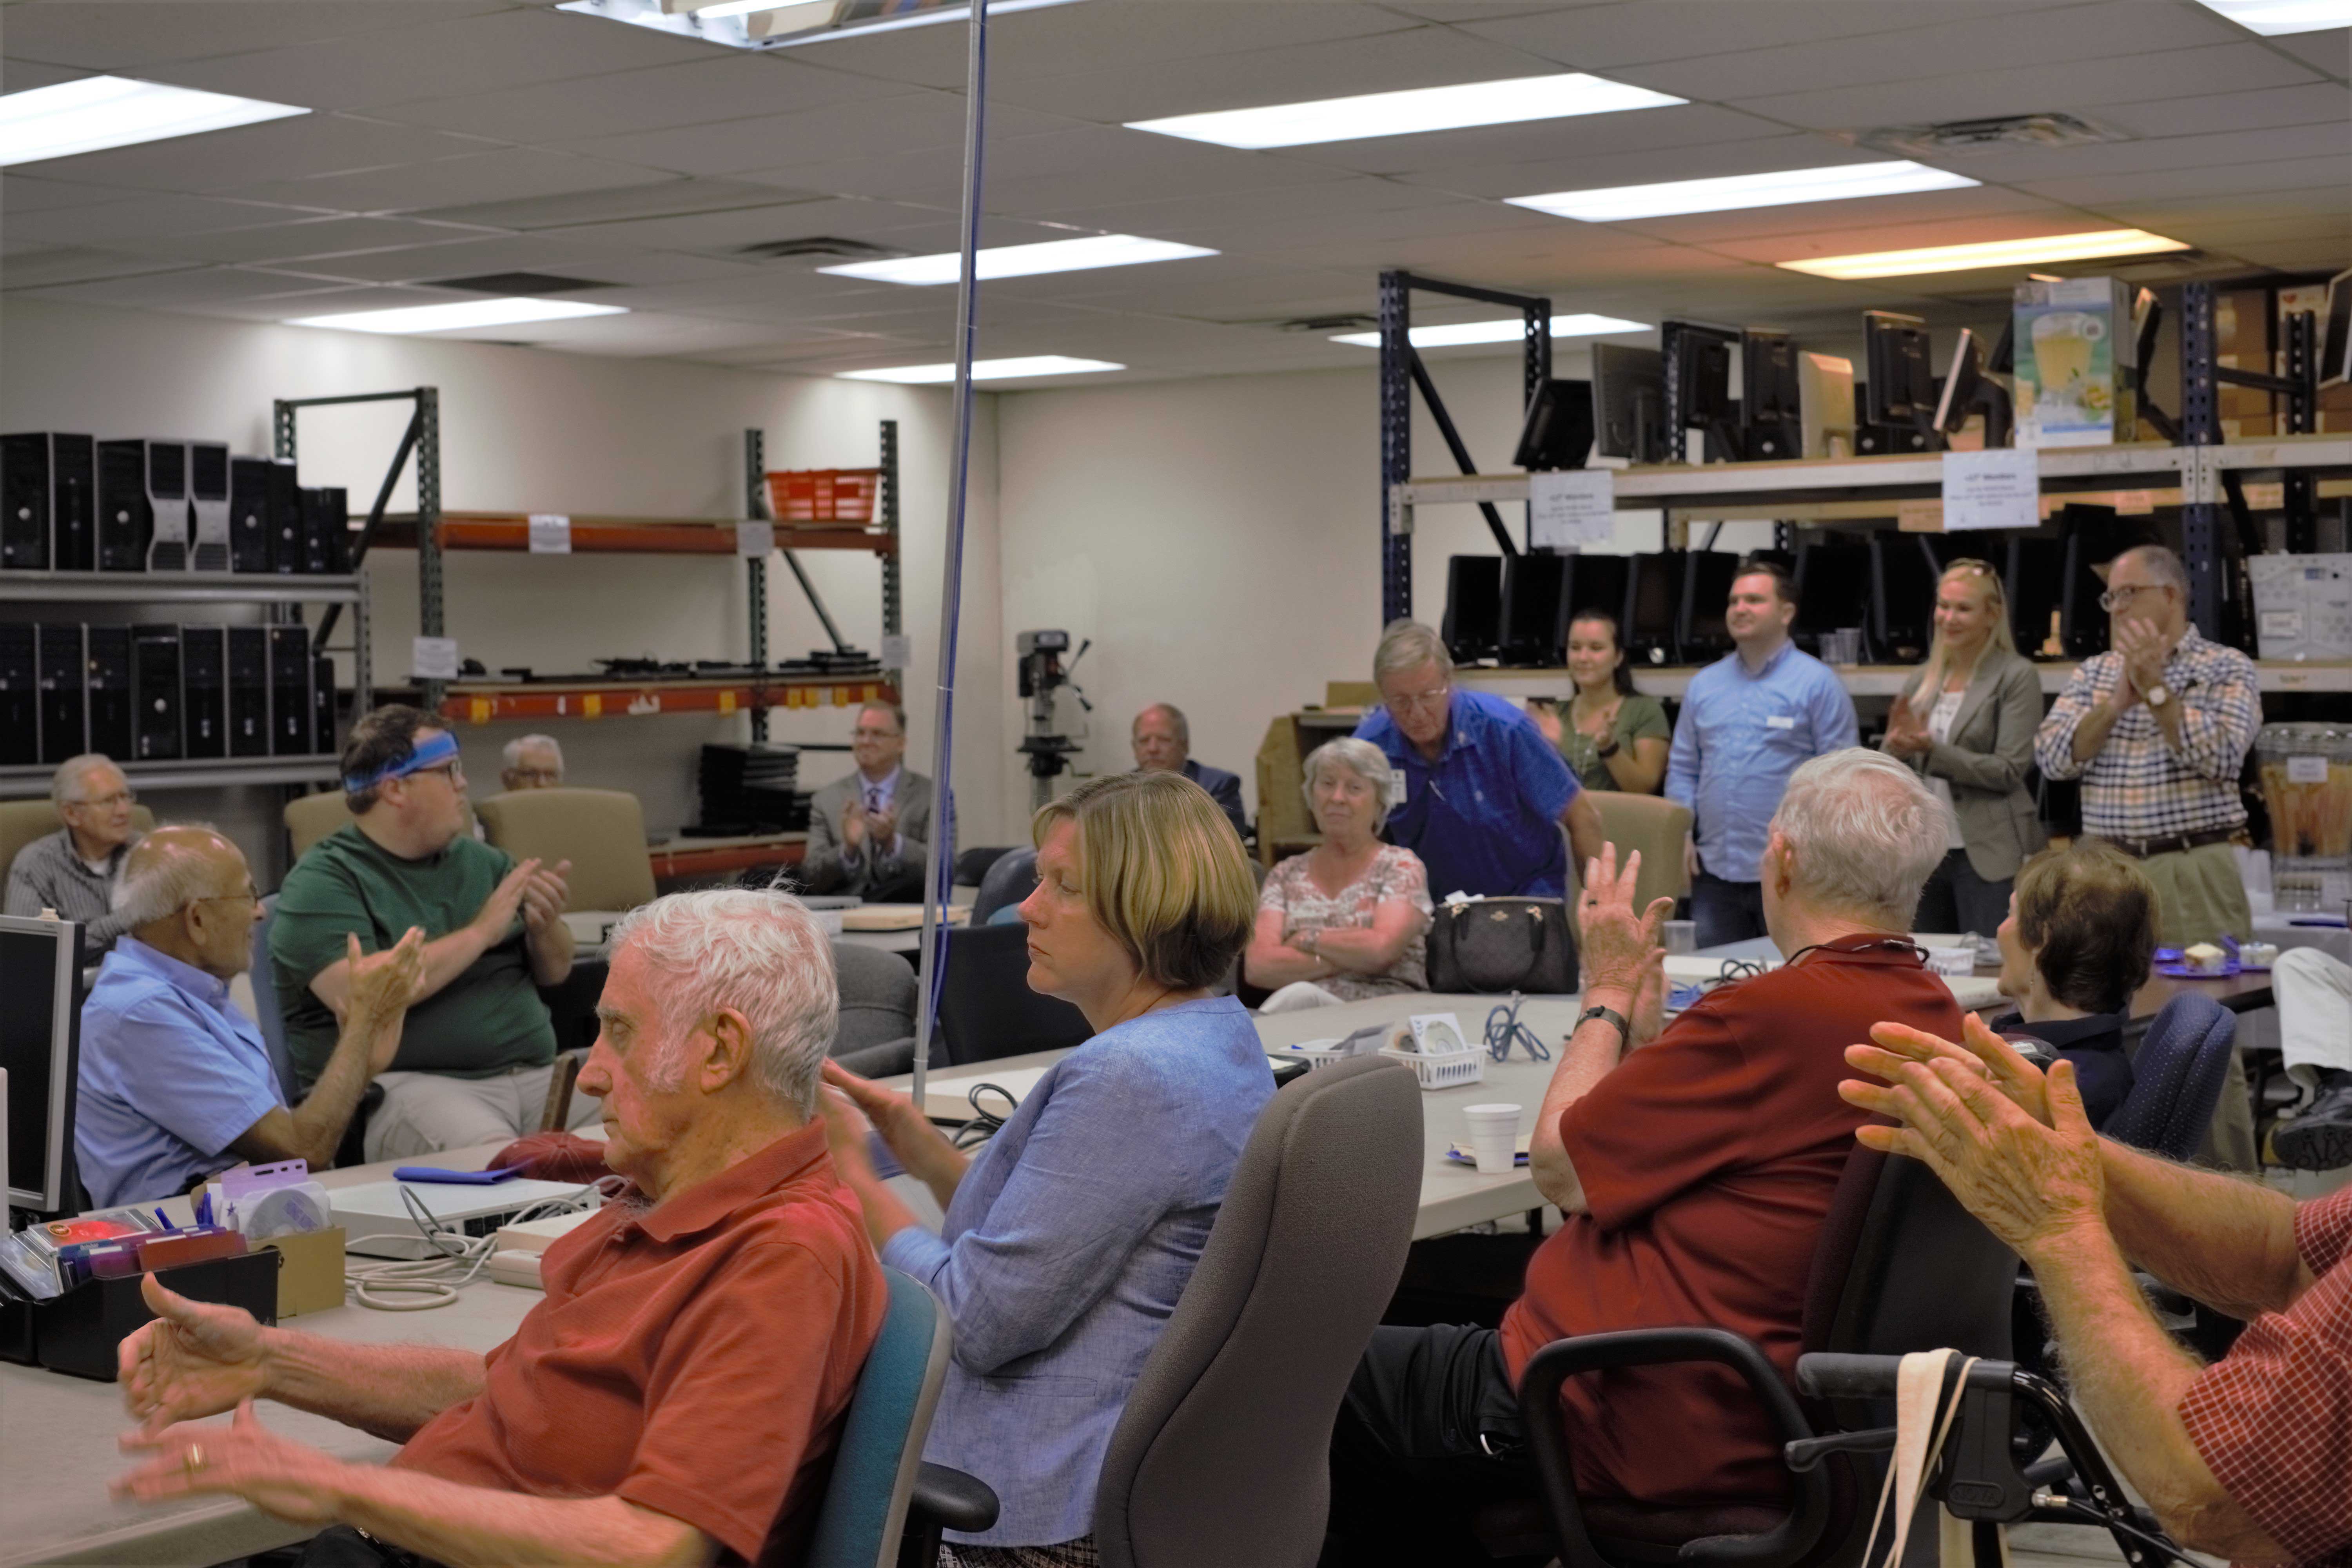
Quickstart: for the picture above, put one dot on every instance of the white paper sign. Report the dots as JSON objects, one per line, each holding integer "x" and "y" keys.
{"x": 1575, "y": 505}
{"x": 550, "y": 534}
{"x": 1998, "y": 487}
{"x": 897, "y": 651}
{"x": 433, "y": 659}
{"x": 2307, "y": 770}
{"x": 754, "y": 541}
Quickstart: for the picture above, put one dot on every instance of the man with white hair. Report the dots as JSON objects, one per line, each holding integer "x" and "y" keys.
{"x": 534, "y": 761}
{"x": 1693, "y": 1175}
{"x": 175, "y": 1083}
{"x": 680, "y": 1388}
{"x": 74, "y": 870}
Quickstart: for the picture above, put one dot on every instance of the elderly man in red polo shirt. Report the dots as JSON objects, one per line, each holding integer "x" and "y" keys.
{"x": 679, "y": 1389}
{"x": 2249, "y": 1459}
{"x": 1694, "y": 1164}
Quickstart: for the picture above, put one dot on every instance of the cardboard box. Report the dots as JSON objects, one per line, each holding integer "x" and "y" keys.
{"x": 310, "y": 1280}
{"x": 2077, "y": 363}
{"x": 2302, "y": 608}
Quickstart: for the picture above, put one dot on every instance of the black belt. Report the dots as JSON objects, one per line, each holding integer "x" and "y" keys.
{"x": 2171, "y": 843}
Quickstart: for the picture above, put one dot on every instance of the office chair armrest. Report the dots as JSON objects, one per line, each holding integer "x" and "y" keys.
{"x": 1547, "y": 1431}
{"x": 952, "y": 1499}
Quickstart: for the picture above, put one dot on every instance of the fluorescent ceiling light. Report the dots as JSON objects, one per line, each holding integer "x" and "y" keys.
{"x": 1022, "y": 260}
{"x": 1995, "y": 253}
{"x": 458, "y": 314}
{"x": 745, "y": 8}
{"x": 854, "y": 28}
{"x": 985, "y": 369}
{"x": 1846, "y": 182}
{"x": 2270, "y": 18}
{"x": 1411, "y": 112}
{"x": 1509, "y": 331}
{"x": 102, "y": 112}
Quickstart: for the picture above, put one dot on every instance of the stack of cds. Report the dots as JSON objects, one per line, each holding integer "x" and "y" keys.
{"x": 752, "y": 788}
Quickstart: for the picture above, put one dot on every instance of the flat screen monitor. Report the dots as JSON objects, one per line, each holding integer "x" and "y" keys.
{"x": 1902, "y": 386}
{"x": 2336, "y": 333}
{"x": 1902, "y": 597}
{"x": 40, "y": 1040}
{"x": 1833, "y": 590}
{"x": 1558, "y": 429}
{"x": 1598, "y": 583}
{"x": 1772, "y": 404}
{"x": 1824, "y": 405}
{"x": 1707, "y": 591}
{"x": 1654, "y": 594}
{"x": 2035, "y": 583}
{"x": 1473, "y": 629}
{"x": 1697, "y": 361}
{"x": 1533, "y": 585}
{"x": 1629, "y": 413}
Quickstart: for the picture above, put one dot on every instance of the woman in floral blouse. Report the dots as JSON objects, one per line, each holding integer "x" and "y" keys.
{"x": 1349, "y": 918}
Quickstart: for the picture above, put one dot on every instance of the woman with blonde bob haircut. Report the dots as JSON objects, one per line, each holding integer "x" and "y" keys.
{"x": 1071, "y": 1233}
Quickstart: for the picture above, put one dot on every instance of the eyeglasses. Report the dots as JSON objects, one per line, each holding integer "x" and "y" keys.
{"x": 109, "y": 801}
{"x": 454, "y": 771}
{"x": 536, "y": 775}
{"x": 2116, "y": 598}
{"x": 1422, "y": 701}
{"x": 251, "y": 895}
{"x": 1970, "y": 564}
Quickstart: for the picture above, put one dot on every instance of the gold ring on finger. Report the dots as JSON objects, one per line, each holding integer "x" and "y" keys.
{"x": 194, "y": 1459}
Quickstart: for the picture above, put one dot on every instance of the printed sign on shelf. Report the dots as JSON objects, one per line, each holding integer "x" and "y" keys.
{"x": 550, "y": 534}
{"x": 433, "y": 659}
{"x": 1573, "y": 507}
{"x": 755, "y": 541}
{"x": 1998, "y": 487}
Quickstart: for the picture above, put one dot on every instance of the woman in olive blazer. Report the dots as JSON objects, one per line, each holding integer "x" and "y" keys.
{"x": 1967, "y": 725}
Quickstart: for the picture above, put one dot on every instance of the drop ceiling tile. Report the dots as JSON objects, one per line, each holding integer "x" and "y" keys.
{"x": 1145, "y": 211}
{"x": 2311, "y": 103}
{"x": 330, "y": 301}
{"x": 480, "y": 257}
{"x": 2329, "y": 49}
{"x": 2270, "y": 145}
{"x": 191, "y": 290}
{"x": 287, "y": 149}
{"x": 735, "y": 87}
{"x": 914, "y": 229}
{"x": 1640, "y": 167}
{"x": 1598, "y": 37}
{"x": 291, "y": 241}
{"x": 36, "y": 269}
{"x": 2182, "y": 215}
{"x": 33, "y": 193}
{"x": 125, "y": 34}
{"x": 2034, "y": 88}
{"x": 439, "y": 59}
{"x": 654, "y": 197}
{"x": 22, "y": 75}
{"x": 2292, "y": 255}
{"x": 2334, "y": 227}
{"x": 2281, "y": 175}
{"x": 1100, "y": 164}
{"x": 137, "y": 217}
{"x": 503, "y": 176}
{"x": 897, "y": 122}
{"x": 1860, "y": 236}
{"x": 1460, "y": 13}
{"x": 1584, "y": 135}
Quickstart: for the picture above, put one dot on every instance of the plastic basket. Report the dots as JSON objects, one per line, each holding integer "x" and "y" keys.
{"x": 1450, "y": 1070}
{"x": 823, "y": 495}
{"x": 1317, "y": 1055}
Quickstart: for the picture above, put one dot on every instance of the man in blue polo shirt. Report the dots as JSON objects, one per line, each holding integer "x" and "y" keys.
{"x": 175, "y": 1083}
{"x": 1485, "y": 794}
{"x": 1748, "y": 720}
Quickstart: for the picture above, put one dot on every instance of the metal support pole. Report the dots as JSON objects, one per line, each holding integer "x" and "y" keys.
{"x": 1396, "y": 440}
{"x": 1536, "y": 361}
{"x": 941, "y": 866}
{"x": 2302, "y": 487}
{"x": 756, "y": 506}
{"x": 893, "y": 599}
{"x": 429, "y": 606}
{"x": 2200, "y": 426}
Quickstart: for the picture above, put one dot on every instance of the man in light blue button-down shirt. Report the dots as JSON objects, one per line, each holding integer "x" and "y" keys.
{"x": 1748, "y": 720}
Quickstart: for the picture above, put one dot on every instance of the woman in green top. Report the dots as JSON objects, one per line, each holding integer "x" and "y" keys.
{"x": 1612, "y": 736}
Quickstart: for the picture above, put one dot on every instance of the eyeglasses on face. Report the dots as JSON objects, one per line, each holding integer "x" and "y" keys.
{"x": 248, "y": 895}
{"x": 109, "y": 801}
{"x": 538, "y": 775}
{"x": 2116, "y": 598}
{"x": 1422, "y": 701}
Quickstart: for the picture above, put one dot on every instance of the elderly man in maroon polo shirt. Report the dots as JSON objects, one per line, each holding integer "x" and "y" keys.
{"x": 678, "y": 1391}
{"x": 1693, "y": 1164}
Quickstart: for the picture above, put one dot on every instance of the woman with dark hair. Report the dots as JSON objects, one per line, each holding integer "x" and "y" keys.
{"x": 1613, "y": 737}
{"x": 2080, "y": 935}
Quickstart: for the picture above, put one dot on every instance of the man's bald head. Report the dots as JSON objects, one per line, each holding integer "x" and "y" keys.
{"x": 174, "y": 867}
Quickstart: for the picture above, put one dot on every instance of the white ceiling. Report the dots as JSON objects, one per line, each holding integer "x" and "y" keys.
{"x": 455, "y": 138}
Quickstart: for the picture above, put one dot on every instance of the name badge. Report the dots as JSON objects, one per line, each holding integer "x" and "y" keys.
{"x": 1780, "y": 721}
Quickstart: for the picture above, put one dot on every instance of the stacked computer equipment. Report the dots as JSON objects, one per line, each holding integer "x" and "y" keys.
{"x": 751, "y": 787}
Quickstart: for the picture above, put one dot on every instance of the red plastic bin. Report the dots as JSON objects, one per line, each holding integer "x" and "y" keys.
{"x": 823, "y": 495}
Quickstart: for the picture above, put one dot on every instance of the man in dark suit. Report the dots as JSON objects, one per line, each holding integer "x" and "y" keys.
{"x": 869, "y": 833}
{"x": 1164, "y": 743}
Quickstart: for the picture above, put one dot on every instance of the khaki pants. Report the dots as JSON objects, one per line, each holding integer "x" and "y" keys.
{"x": 425, "y": 1112}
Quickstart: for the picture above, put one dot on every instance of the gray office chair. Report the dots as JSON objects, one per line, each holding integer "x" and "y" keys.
{"x": 1221, "y": 1455}
{"x": 875, "y": 1036}
{"x": 1010, "y": 878}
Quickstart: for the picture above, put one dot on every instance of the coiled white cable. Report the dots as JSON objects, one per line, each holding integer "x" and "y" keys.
{"x": 418, "y": 1285}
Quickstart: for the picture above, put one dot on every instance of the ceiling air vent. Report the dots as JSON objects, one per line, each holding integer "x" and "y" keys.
{"x": 530, "y": 285}
{"x": 1356, "y": 323}
{"x": 1965, "y": 136}
{"x": 830, "y": 247}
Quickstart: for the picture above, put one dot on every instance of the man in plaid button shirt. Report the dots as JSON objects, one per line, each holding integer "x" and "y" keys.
{"x": 2249, "y": 1459}
{"x": 2158, "y": 731}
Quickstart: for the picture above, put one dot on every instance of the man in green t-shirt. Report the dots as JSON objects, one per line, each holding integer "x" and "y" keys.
{"x": 476, "y": 1052}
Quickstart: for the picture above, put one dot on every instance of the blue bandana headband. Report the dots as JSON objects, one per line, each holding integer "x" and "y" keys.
{"x": 442, "y": 748}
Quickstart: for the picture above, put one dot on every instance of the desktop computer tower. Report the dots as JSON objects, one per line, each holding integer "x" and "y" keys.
{"x": 208, "y": 497}
{"x": 1653, "y": 591}
{"x": 57, "y": 651}
{"x": 1535, "y": 586}
{"x": 290, "y": 719}
{"x": 2035, "y": 585}
{"x": 73, "y": 503}
{"x": 249, "y": 690}
{"x": 172, "y": 548}
{"x": 285, "y": 519}
{"x": 326, "y": 530}
{"x": 1706, "y": 593}
{"x": 20, "y": 697}
{"x": 1472, "y": 628}
{"x": 106, "y": 688}
{"x": 25, "y": 502}
{"x": 323, "y": 705}
{"x": 1902, "y": 596}
{"x": 126, "y": 519}
{"x": 155, "y": 693}
{"x": 258, "y": 488}
{"x": 1596, "y": 583}
{"x": 203, "y": 691}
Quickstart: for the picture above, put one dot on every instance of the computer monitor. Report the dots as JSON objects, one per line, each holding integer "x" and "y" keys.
{"x": 1697, "y": 362}
{"x": 1629, "y": 409}
{"x": 1833, "y": 590}
{"x": 1900, "y": 403}
{"x": 1824, "y": 405}
{"x": 1597, "y": 582}
{"x": 1771, "y": 400}
{"x": 1654, "y": 596}
{"x": 1535, "y": 584}
{"x": 2035, "y": 584}
{"x": 1902, "y": 597}
{"x": 40, "y": 1044}
{"x": 1966, "y": 390}
{"x": 1707, "y": 577}
{"x": 1472, "y": 628}
{"x": 2336, "y": 333}
{"x": 1558, "y": 429}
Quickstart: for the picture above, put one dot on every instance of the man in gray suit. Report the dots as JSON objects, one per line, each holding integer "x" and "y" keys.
{"x": 1163, "y": 742}
{"x": 870, "y": 832}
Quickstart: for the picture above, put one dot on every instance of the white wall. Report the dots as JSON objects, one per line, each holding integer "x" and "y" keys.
{"x": 541, "y": 431}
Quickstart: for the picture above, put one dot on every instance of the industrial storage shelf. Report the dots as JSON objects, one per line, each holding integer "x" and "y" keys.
{"x": 17, "y": 782}
{"x": 469, "y": 702}
{"x": 176, "y": 588}
{"x": 1863, "y": 680}
{"x": 623, "y": 535}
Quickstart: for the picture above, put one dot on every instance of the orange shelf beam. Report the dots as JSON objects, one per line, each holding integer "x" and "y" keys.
{"x": 672, "y": 861}
{"x": 618, "y": 699}
{"x": 624, "y": 535}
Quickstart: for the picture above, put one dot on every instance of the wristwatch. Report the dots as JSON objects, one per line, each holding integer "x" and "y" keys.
{"x": 2157, "y": 695}
{"x": 1611, "y": 1016}
{"x": 1611, "y": 749}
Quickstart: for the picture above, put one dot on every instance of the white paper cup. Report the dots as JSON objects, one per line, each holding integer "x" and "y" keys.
{"x": 1494, "y": 1138}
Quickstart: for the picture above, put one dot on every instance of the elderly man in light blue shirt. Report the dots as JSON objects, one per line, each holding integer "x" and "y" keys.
{"x": 175, "y": 1083}
{"x": 1750, "y": 721}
